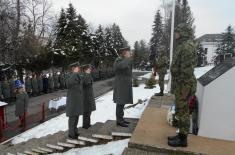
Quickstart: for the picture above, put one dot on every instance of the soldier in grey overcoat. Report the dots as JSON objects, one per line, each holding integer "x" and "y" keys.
{"x": 74, "y": 102}
{"x": 56, "y": 81}
{"x": 6, "y": 90}
{"x": 34, "y": 85}
{"x": 51, "y": 82}
{"x": 1, "y": 95}
{"x": 88, "y": 96}
{"x": 40, "y": 83}
{"x": 12, "y": 87}
{"x": 21, "y": 104}
{"x": 28, "y": 85}
{"x": 122, "y": 84}
{"x": 62, "y": 80}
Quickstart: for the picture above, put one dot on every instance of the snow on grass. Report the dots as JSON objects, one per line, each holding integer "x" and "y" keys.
{"x": 114, "y": 148}
{"x": 105, "y": 111}
{"x": 198, "y": 72}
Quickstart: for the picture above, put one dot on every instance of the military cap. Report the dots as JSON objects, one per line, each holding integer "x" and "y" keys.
{"x": 86, "y": 66}
{"x": 123, "y": 49}
{"x": 75, "y": 64}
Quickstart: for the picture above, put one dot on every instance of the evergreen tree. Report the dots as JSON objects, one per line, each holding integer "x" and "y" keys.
{"x": 72, "y": 37}
{"x": 141, "y": 53}
{"x": 99, "y": 45}
{"x": 228, "y": 43}
{"x": 157, "y": 36}
{"x": 201, "y": 56}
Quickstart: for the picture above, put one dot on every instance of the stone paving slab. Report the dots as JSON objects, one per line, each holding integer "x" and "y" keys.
{"x": 152, "y": 131}
{"x": 133, "y": 151}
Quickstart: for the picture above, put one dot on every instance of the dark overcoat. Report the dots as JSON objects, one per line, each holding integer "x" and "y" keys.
{"x": 21, "y": 104}
{"x": 74, "y": 102}
{"x": 123, "y": 93}
{"x": 88, "y": 94}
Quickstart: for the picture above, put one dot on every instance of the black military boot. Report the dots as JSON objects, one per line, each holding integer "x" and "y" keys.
{"x": 172, "y": 137}
{"x": 160, "y": 94}
{"x": 181, "y": 141}
{"x": 122, "y": 124}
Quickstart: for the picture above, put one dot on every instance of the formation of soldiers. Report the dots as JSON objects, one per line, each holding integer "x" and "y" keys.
{"x": 38, "y": 84}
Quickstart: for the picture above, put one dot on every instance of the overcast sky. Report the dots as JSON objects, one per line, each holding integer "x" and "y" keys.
{"x": 135, "y": 17}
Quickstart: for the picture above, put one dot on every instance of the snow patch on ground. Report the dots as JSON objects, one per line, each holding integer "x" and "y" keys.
{"x": 105, "y": 111}
{"x": 114, "y": 148}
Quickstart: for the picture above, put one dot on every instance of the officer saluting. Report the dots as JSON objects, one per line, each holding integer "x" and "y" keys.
{"x": 122, "y": 84}
{"x": 74, "y": 103}
{"x": 88, "y": 96}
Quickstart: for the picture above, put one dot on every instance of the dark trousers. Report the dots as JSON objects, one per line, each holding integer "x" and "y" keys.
{"x": 73, "y": 122}
{"x": 120, "y": 112}
{"x": 86, "y": 119}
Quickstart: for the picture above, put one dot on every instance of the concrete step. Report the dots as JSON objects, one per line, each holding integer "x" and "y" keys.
{"x": 20, "y": 153}
{"x": 55, "y": 147}
{"x": 86, "y": 134}
{"x": 31, "y": 153}
{"x": 45, "y": 149}
{"x": 76, "y": 142}
{"x": 122, "y": 131}
{"x": 66, "y": 145}
{"x": 39, "y": 151}
{"x": 105, "y": 131}
{"x": 133, "y": 151}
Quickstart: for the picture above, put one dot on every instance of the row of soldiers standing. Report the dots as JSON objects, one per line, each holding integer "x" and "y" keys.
{"x": 34, "y": 86}
{"x": 45, "y": 84}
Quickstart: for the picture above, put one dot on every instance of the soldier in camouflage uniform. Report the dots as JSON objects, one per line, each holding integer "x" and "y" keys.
{"x": 161, "y": 69}
{"x": 184, "y": 82}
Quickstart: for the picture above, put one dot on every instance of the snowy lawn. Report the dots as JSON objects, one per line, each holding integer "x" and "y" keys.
{"x": 105, "y": 111}
{"x": 199, "y": 71}
{"x": 114, "y": 148}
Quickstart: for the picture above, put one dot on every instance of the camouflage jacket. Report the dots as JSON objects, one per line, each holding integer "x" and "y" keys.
{"x": 183, "y": 64}
{"x": 162, "y": 65}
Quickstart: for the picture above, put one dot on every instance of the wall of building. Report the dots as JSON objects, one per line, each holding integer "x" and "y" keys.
{"x": 218, "y": 108}
{"x": 200, "y": 95}
{"x": 211, "y": 49}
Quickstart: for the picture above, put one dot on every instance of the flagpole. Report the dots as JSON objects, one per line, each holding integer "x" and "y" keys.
{"x": 171, "y": 44}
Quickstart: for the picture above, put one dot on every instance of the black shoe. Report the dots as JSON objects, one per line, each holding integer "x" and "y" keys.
{"x": 172, "y": 137}
{"x": 86, "y": 127}
{"x": 159, "y": 94}
{"x": 126, "y": 122}
{"x": 181, "y": 141}
{"x": 73, "y": 137}
{"x": 122, "y": 124}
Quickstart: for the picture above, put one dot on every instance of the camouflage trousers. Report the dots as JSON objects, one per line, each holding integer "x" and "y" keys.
{"x": 161, "y": 81}
{"x": 182, "y": 108}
